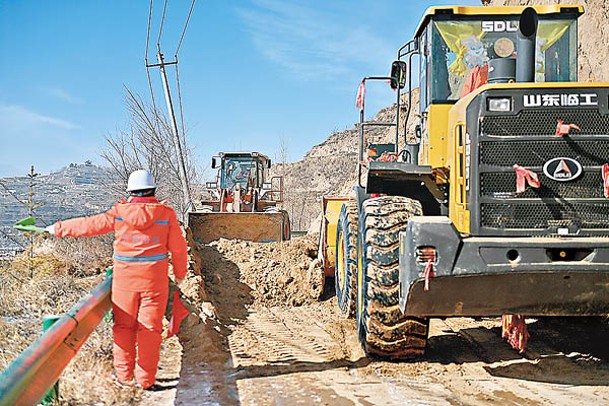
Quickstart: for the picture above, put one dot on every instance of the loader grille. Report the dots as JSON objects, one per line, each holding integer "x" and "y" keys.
{"x": 531, "y": 153}
{"x": 503, "y": 185}
{"x": 506, "y": 140}
{"x": 541, "y": 215}
{"x": 542, "y": 122}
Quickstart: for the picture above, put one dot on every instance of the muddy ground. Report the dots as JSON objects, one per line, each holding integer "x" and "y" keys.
{"x": 261, "y": 339}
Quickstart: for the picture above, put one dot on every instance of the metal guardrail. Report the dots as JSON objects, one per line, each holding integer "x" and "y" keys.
{"x": 29, "y": 377}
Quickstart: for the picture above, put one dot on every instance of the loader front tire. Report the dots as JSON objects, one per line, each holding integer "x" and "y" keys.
{"x": 345, "y": 270}
{"x": 382, "y": 329}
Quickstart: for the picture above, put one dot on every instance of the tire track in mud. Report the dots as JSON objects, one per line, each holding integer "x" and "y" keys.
{"x": 545, "y": 373}
{"x": 250, "y": 353}
{"x": 277, "y": 340}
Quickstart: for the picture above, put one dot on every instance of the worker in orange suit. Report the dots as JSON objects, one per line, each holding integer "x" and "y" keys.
{"x": 145, "y": 232}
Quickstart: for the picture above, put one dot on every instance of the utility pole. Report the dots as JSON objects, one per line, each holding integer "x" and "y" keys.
{"x": 174, "y": 126}
{"x": 32, "y": 206}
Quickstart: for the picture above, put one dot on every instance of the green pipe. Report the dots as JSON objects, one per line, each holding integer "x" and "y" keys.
{"x": 30, "y": 376}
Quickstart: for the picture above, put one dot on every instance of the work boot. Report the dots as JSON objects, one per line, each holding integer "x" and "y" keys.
{"x": 121, "y": 384}
{"x": 152, "y": 388}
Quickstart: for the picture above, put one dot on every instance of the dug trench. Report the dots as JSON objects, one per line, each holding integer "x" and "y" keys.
{"x": 262, "y": 333}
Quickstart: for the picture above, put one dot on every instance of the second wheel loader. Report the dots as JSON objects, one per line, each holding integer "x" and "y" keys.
{"x": 242, "y": 201}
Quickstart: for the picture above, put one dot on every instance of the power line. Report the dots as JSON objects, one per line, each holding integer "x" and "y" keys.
{"x": 8, "y": 236}
{"x": 158, "y": 42}
{"x": 148, "y": 31}
{"x": 23, "y": 202}
{"x": 180, "y": 100}
{"x": 156, "y": 117}
{"x": 192, "y": 5}
{"x": 14, "y": 195}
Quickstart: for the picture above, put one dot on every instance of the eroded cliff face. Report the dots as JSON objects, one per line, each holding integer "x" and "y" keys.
{"x": 593, "y": 34}
{"x": 330, "y": 168}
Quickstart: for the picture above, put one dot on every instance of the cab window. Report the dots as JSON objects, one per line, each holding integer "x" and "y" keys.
{"x": 458, "y": 49}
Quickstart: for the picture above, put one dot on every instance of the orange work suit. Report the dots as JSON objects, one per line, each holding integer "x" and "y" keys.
{"x": 145, "y": 231}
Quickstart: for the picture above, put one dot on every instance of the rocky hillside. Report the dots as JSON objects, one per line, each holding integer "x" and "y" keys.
{"x": 330, "y": 168}
{"x": 75, "y": 190}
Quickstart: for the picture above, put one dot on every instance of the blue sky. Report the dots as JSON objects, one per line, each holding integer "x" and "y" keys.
{"x": 254, "y": 73}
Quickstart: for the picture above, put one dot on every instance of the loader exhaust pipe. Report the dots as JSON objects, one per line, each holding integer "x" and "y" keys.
{"x": 527, "y": 39}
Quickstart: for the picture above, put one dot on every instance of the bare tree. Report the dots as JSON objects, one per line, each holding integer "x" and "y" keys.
{"x": 283, "y": 151}
{"x": 282, "y": 160}
{"x": 147, "y": 143}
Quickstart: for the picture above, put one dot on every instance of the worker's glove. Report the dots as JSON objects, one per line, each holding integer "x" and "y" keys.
{"x": 50, "y": 229}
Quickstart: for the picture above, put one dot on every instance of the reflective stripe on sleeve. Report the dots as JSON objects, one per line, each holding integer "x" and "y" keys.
{"x": 140, "y": 258}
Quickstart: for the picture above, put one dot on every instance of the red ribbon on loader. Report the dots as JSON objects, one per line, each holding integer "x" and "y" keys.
{"x": 605, "y": 173}
{"x": 563, "y": 129}
{"x": 522, "y": 175}
{"x": 428, "y": 274}
{"x": 361, "y": 95}
{"x": 514, "y": 329}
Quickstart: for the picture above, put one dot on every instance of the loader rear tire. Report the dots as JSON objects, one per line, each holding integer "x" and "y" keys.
{"x": 345, "y": 270}
{"x": 382, "y": 329}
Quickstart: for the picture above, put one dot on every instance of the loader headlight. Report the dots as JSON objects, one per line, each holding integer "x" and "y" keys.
{"x": 499, "y": 104}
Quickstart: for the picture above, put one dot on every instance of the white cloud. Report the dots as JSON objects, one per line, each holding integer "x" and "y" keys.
{"x": 14, "y": 118}
{"x": 312, "y": 42}
{"x": 30, "y": 138}
{"x": 62, "y": 94}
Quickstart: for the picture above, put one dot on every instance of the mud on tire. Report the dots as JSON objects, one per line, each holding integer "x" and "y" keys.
{"x": 346, "y": 258}
{"x": 383, "y": 330}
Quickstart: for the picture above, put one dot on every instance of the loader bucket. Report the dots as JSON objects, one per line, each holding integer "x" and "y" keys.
{"x": 259, "y": 227}
{"x": 327, "y": 236}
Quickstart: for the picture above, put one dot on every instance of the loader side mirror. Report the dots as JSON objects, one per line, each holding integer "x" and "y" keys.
{"x": 398, "y": 75}
{"x": 268, "y": 163}
{"x": 214, "y": 162}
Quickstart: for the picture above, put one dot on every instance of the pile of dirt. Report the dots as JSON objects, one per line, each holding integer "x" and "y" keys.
{"x": 277, "y": 273}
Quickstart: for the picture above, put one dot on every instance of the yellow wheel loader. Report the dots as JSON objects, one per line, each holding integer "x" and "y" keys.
{"x": 242, "y": 201}
{"x": 498, "y": 205}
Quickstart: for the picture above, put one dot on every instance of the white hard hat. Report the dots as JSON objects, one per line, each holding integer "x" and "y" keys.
{"x": 140, "y": 180}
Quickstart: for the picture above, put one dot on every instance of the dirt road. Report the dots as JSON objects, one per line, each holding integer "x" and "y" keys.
{"x": 250, "y": 353}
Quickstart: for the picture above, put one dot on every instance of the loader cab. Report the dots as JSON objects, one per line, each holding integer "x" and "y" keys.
{"x": 243, "y": 169}
{"x": 454, "y": 42}
{"x": 462, "y": 48}
{"x": 464, "y": 52}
